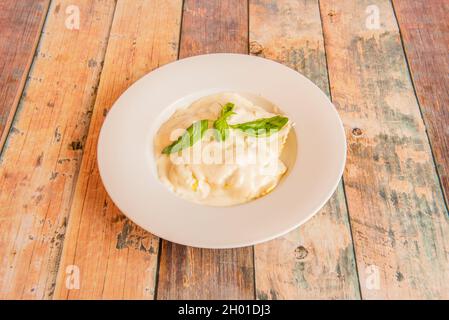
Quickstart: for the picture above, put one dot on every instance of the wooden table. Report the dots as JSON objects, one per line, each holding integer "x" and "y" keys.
{"x": 384, "y": 233}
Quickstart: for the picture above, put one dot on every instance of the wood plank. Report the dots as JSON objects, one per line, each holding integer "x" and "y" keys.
{"x": 315, "y": 261}
{"x": 115, "y": 258}
{"x": 424, "y": 27}
{"x": 41, "y": 157}
{"x": 20, "y": 24}
{"x": 214, "y": 26}
{"x": 192, "y": 273}
{"x": 399, "y": 221}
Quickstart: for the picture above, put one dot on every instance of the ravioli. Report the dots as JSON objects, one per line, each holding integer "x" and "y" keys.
{"x": 220, "y": 172}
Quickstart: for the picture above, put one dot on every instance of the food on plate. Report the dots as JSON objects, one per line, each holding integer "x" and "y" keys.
{"x": 222, "y": 150}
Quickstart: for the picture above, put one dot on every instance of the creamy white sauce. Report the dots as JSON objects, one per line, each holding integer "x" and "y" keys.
{"x": 210, "y": 172}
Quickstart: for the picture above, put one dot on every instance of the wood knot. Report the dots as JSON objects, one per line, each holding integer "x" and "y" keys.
{"x": 331, "y": 14}
{"x": 76, "y": 145}
{"x": 357, "y": 132}
{"x": 255, "y": 47}
{"x": 301, "y": 253}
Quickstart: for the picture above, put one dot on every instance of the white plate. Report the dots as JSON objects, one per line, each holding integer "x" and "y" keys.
{"x": 127, "y": 166}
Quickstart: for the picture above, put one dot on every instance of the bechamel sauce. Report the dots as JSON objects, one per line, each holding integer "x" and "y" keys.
{"x": 235, "y": 171}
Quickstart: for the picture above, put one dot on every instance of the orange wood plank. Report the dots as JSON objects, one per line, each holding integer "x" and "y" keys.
{"x": 399, "y": 221}
{"x": 41, "y": 158}
{"x": 315, "y": 261}
{"x": 115, "y": 258}
{"x": 20, "y": 24}
{"x": 424, "y": 27}
{"x": 191, "y": 273}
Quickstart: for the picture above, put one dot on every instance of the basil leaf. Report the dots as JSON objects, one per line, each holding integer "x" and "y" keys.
{"x": 221, "y": 124}
{"x": 227, "y": 110}
{"x": 263, "y": 127}
{"x": 193, "y": 134}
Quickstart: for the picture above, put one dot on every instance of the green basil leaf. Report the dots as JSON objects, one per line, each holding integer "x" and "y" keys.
{"x": 221, "y": 130}
{"x": 221, "y": 124}
{"x": 193, "y": 134}
{"x": 263, "y": 127}
{"x": 227, "y": 110}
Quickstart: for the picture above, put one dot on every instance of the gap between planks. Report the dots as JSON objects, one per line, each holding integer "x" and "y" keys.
{"x": 397, "y": 212}
{"x": 116, "y": 258}
{"x": 385, "y": 292}
{"x": 20, "y": 67}
{"x": 426, "y": 54}
{"x": 193, "y": 273}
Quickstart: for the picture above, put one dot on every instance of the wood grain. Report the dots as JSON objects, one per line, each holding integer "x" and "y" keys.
{"x": 41, "y": 158}
{"x": 214, "y": 26}
{"x": 424, "y": 27}
{"x": 315, "y": 261}
{"x": 399, "y": 221}
{"x": 20, "y": 24}
{"x": 191, "y": 273}
{"x": 115, "y": 258}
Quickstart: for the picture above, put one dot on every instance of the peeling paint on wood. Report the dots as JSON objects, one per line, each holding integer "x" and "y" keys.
{"x": 21, "y": 23}
{"x": 424, "y": 27}
{"x": 316, "y": 260}
{"x": 399, "y": 222}
{"x": 34, "y": 198}
{"x": 117, "y": 259}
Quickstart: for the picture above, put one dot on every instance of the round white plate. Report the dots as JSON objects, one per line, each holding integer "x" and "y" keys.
{"x": 127, "y": 166}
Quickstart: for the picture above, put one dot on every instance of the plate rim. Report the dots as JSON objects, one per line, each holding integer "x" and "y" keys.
{"x": 242, "y": 243}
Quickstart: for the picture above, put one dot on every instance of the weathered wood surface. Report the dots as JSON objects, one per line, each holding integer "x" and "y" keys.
{"x": 41, "y": 157}
{"x": 20, "y": 24}
{"x": 191, "y": 273}
{"x": 399, "y": 221}
{"x": 424, "y": 26}
{"x": 315, "y": 261}
{"x": 214, "y": 26}
{"x": 115, "y": 258}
